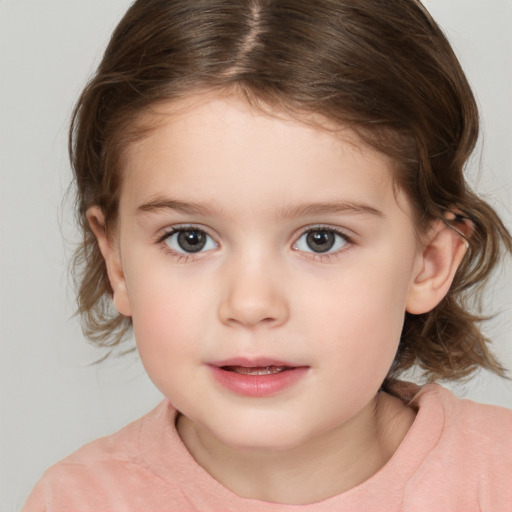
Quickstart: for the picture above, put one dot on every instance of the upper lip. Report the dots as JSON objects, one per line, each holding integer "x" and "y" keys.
{"x": 256, "y": 362}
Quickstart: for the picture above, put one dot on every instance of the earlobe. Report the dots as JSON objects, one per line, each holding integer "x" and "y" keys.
{"x": 437, "y": 265}
{"x": 112, "y": 259}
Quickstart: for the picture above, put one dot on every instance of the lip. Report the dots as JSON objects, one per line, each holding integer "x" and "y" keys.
{"x": 252, "y": 385}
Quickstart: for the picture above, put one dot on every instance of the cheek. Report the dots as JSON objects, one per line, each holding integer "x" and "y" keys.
{"x": 359, "y": 317}
{"x": 166, "y": 334}
{"x": 167, "y": 314}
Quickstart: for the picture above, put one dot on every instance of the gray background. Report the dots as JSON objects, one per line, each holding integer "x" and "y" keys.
{"x": 52, "y": 399}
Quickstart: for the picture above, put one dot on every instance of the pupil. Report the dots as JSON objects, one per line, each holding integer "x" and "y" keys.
{"x": 320, "y": 241}
{"x": 191, "y": 241}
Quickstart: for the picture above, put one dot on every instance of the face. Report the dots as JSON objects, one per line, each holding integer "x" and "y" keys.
{"x": 266, "y": 265}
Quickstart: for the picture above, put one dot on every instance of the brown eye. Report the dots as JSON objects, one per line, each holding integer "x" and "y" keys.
{"x": 321, "y": 240}
{"x": 189, "y": 240}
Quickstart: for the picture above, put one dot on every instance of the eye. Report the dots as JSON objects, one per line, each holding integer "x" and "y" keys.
{"x": 321, "y": 240}
{"x": 189, "y": 240}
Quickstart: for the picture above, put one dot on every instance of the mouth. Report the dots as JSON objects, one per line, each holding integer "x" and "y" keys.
{"x": 257, "y": 377}
{"x": 256, "y": 370}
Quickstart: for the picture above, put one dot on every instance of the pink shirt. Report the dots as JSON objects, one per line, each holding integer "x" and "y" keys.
{"x": 457, "y": 456}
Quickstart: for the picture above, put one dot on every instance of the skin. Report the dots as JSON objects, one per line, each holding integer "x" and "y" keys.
{"x": 259, "y": 290}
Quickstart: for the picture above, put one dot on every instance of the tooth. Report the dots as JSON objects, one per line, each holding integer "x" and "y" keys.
{"x": 263, "y": 370}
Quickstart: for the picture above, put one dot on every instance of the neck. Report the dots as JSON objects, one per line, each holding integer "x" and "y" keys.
{"x": 324, "y": 466}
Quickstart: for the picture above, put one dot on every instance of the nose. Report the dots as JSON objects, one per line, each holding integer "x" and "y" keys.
{"x": 253, "y": 295}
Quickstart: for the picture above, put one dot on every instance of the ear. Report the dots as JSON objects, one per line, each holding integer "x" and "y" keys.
{"x": 112, "y": 257}
{"x": 441, "y": 256}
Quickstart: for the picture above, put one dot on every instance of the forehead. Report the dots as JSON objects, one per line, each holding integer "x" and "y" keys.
{"x": 210, "y": 144}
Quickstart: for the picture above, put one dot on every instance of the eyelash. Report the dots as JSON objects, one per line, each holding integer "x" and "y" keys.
{"x": 181, "y": 257}
{"x": 184, "y": 257}
{"x": 326, "y": 257}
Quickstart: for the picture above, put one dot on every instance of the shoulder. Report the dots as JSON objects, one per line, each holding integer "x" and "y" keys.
{"x": 469, "y": 462}
{"x": 472, "y": 424}
{"x": 103, "y": 473}
{"x": 122, "y": 446}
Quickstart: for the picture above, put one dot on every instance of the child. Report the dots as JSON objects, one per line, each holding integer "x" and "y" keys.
{"x": 271, "y": 195}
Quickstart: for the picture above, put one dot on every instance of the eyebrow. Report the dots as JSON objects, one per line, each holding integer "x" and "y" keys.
{"x": 158, "y": 204}
{"x": 353, "y": 208}
{"x": 293, "y": 211}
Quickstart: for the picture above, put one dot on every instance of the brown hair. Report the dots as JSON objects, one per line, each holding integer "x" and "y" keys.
{"x": 381, "y": 66}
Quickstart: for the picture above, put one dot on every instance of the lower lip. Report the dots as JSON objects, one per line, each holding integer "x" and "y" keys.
{"x": 258, "y": 385}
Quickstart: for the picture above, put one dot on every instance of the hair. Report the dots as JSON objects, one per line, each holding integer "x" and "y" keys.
{"x": 382, "y": 67}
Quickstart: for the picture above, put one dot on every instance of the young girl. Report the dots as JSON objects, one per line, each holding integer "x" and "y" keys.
{"x": 271, "y": 196}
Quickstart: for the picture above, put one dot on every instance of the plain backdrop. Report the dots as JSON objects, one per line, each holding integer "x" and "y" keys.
{"x": 52, "y": 399}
